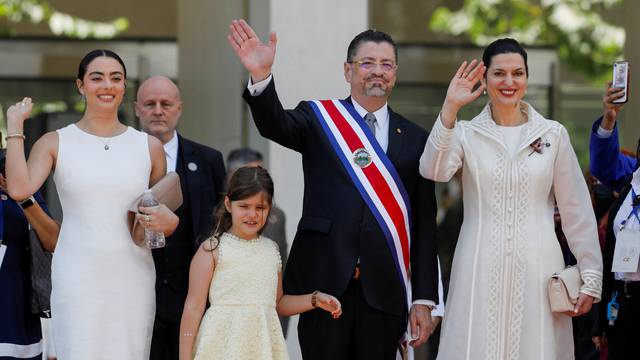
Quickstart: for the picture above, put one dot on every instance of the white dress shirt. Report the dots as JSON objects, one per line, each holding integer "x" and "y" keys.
{"x": 171, "y": 152}
{"x": 381, "y": 124}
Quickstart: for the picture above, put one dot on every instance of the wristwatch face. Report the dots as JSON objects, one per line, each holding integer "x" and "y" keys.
{"x": 25, "y": 204}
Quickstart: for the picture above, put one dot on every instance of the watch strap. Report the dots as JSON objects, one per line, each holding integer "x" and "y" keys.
{"x": 26, "y": 203}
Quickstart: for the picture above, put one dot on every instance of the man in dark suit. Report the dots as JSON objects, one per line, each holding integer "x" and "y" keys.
{"x": 202, "y": 175}
{"x": 339, "y": 247}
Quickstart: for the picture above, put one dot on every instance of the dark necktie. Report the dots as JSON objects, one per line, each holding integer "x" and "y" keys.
{"x": 370, "y": 119}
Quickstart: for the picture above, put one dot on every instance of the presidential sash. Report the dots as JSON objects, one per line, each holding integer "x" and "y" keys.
{"x": 373, "y": 175}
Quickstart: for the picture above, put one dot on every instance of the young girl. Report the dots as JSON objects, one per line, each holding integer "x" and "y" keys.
{"x": 241, "y": 272}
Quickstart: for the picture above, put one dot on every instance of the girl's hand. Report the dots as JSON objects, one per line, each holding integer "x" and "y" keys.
{"x": 19, "y": 112}
{"x": 329, "y": 303}
{"x": 460, "y": 91}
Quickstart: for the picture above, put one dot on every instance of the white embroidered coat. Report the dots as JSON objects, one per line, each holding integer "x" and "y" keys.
{"x": 497, "y": 307}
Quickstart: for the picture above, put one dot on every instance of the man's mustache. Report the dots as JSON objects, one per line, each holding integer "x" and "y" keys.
{"x": 378, "y": 77}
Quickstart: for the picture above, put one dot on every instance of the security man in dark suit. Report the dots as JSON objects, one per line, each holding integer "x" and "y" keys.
{"x": 202, "y": 175}
{"x": 340, "y": 248}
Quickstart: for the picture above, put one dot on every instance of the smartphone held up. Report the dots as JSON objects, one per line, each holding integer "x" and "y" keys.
{"x": 621, "y": 80}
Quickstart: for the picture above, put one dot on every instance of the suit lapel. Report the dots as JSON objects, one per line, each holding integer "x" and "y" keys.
{"x": 191, "y": 180}
{"x": 396, "y": 133}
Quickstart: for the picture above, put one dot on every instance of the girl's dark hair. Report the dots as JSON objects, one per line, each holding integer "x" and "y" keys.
{"x": 87, "y": 59}
{"x": 504, "y": 46}
{"x": 245, "y": 182}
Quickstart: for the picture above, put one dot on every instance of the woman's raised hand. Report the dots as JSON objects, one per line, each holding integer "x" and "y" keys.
{"x": 19, "y": 112}
{"x": 256, "y": 57}
{"x": 461, "y": 90}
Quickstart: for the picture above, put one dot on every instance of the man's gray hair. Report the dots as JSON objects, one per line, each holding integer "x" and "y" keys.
{"x": 240, "y": 157}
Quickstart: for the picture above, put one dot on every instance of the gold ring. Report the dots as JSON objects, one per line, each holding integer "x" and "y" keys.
{"x": 147, "y": 218}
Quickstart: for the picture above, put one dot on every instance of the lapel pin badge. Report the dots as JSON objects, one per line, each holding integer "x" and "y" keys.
{"x": 192, "y": 166}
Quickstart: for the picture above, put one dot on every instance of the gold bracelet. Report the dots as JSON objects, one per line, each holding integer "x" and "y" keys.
{"x": 15, "y": 136}
{"x": 314, "y": 298}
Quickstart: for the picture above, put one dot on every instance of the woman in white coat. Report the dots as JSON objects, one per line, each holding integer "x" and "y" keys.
{"x": 515, "y": 166}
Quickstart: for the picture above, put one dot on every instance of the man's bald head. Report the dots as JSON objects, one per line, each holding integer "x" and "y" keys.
{"x": 161, "y": 83}
{"x": 159, "y": 106}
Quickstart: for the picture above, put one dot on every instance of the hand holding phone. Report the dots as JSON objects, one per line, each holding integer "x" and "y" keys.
{"x": 621, "y": 80}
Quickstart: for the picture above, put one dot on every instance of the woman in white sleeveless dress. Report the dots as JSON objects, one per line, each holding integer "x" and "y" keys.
{"x": 102, "y": 300}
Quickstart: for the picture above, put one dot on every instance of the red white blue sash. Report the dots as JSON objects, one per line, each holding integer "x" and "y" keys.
{"x": 373, "y": 175}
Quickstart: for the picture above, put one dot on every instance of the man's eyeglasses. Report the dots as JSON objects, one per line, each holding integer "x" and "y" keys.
{"x": 367, "y": 65}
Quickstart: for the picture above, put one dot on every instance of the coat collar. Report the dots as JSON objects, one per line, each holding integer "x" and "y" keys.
{"x": 535, "y": 127}
{"x": 397, "y": 131}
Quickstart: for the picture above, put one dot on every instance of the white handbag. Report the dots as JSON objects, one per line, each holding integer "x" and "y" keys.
{"x": 564, "y": 289}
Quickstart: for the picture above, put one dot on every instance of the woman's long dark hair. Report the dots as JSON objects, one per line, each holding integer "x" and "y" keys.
{"x": 245, "y": 183}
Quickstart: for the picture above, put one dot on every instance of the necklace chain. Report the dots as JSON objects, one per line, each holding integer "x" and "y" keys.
{"x": 105, "y": 142}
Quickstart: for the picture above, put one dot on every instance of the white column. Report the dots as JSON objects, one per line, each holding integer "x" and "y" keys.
{"x": 210, "y": 75}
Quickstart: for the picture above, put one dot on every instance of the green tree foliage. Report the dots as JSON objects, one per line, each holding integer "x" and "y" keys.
{"x": 583, "y": 39}
{"x": 62, "y": 24}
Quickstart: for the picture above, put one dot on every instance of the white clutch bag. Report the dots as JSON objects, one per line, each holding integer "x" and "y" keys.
{"x": 564, "y": 289}
{"x": 166, "y": 191}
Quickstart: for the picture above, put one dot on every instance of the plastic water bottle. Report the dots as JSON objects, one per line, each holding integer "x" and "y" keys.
{"x": 153, "y": 239}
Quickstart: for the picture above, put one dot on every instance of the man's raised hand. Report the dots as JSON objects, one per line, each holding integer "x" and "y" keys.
{"x": 255, "y": 56}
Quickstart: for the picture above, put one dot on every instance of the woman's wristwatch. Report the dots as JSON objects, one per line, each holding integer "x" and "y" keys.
{"x": 24, "y": 204}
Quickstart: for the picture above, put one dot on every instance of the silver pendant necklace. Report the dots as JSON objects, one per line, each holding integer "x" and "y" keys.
{"x": 105, "y": 142}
